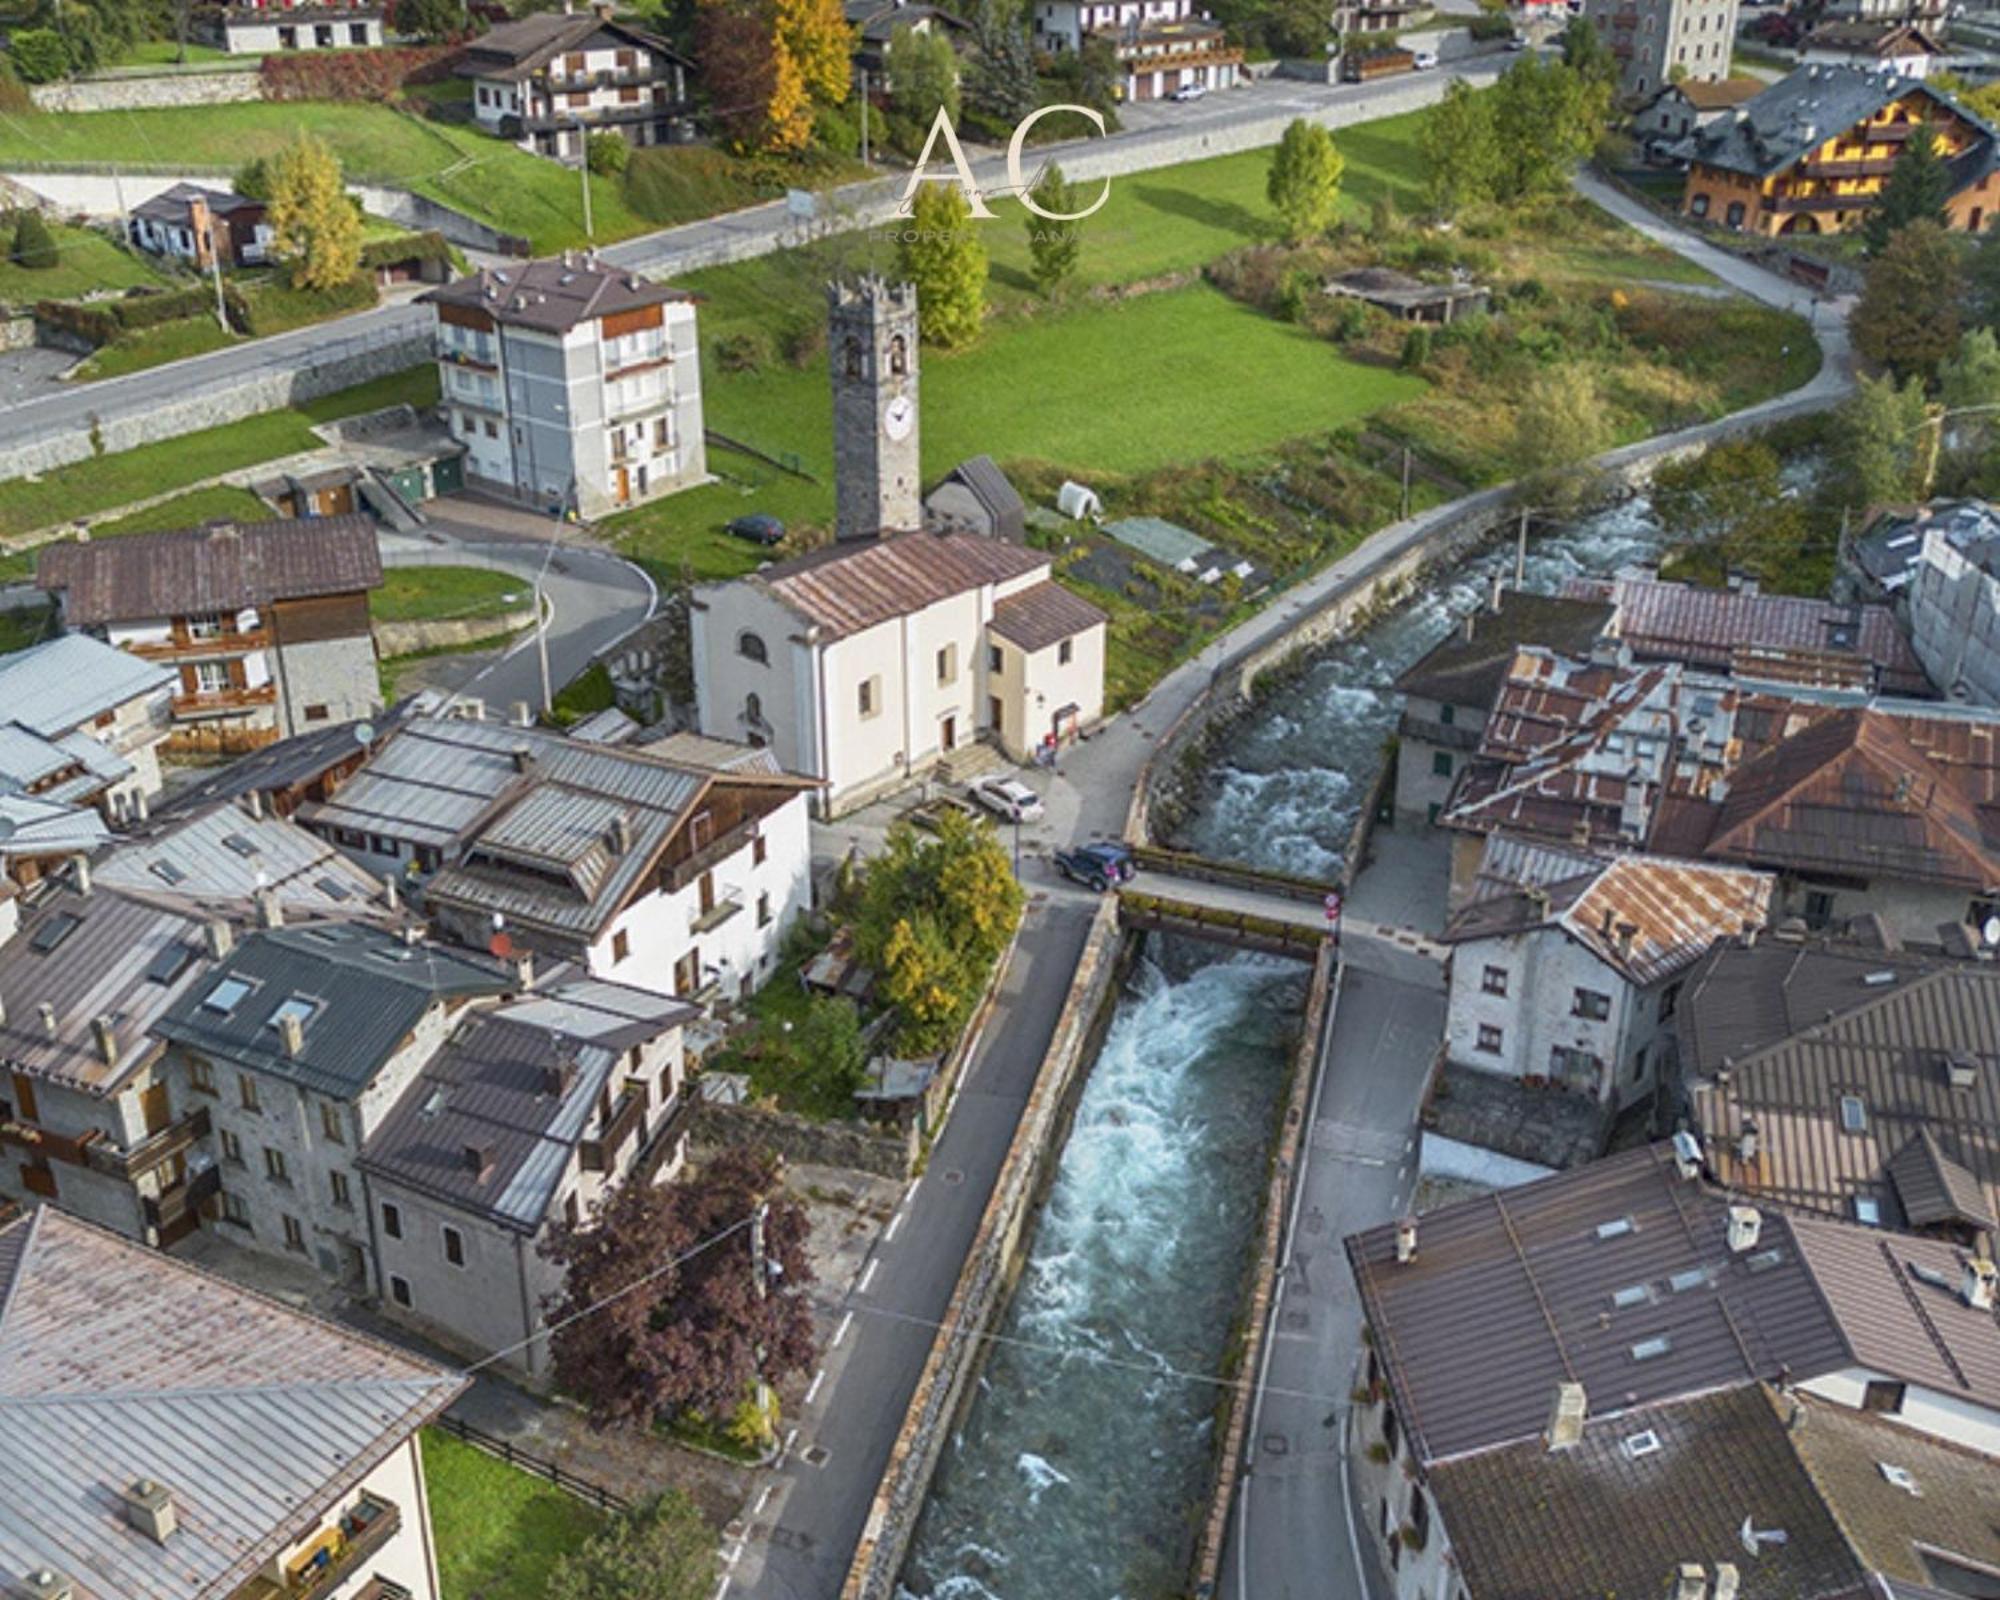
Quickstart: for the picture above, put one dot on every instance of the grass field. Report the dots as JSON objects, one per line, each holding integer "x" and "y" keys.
{"x": 499, "y": 1531}
{"x": 431, "y": 594}
{"x": 215, "y": 503}
{"x": 153, "y": 347}
{"x": 88, "y": 261}
{"x": 165, "y": 53}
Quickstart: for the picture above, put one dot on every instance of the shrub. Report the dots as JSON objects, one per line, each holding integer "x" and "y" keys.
{"x": 15, "y": 101}
{"x": 1297, "y": 295}
{"x": 837, "y": 131}
{"x": 430, "y": 246}
{"x": 34, "y": 246}
{"x": 271, "y": 306}
{"x": 39, "y": 55}
{"x": 1416, "y": 347}
{"x": 607, "y": 154}
{"x": 253, "y": 179}
{"x": 805, "y": 343}
{"x": 1349, "y": 319}
{"x": 1491, "y": 25}
{"x": 353, "y": 75}
{"x": 745, "y": 351}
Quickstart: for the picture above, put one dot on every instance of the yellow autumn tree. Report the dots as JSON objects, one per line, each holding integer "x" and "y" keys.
{"x": 820, "y": 41}
{"x": 316, "y": 228}
{"x": 788, "y": 114}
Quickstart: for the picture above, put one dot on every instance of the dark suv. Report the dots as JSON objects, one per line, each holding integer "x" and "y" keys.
{"x": 1097, "y": 866}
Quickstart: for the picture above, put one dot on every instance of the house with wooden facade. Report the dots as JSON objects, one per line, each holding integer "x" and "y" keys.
{"x": 1812, "y": 152}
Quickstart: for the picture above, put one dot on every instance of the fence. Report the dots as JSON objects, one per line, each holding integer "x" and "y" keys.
{"x": 594, "y": 1494}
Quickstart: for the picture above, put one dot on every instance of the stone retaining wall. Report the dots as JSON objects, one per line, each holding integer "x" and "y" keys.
{"x": 406, "y": 638}
{"x": 801, "y": 1139}
{"x": 17, "y": 333}
{"x": 149, "y": 91}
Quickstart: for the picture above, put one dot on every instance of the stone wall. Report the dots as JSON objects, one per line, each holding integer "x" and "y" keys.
{"x": 149, "y": 91}
{"x": 17, "y": 333}
{"x": 854, "y": 1145}
{"x": 422, "y": 214}
{"x": 449, "y": 633}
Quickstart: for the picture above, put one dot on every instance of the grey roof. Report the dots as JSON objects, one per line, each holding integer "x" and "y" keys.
{"x": 1044, "y": 614}
{"x": 1935, "y": 1189}
{"x": 218, "y": 859}
{"x": 515, "y": 49}
{"x": 609, "y": 726}
{"x": 1468, "y": 666}
{"x": 58, "y": 686}
{"x": 982, "y": 478}
{"x": 553, "y": 295}
{"x": 366, "y": 990}
{"x": 119, "y": 1363}
{"x": 717, "y": 755}
{"x": 1800, "y": 112}
{"x": 483, "y": 1129}
{"x": 43, "y": 827}
{"x": 87, "y": 956}
{"x": 301, "y": 761}
{"x": 172, "y": 205}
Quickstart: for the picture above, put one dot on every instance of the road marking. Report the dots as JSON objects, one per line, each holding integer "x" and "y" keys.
{"x": 840, "y": 1333}
{"x": 889, "y": 1233}
{"x": 789, "y": 1437}
{"x": 812, "y": 1393}
{"x": 734, "y": 1556}
{"x": 722, "y": 1588}
{"x": 867, "y": 1277}
{"x": 763, "y": 1500}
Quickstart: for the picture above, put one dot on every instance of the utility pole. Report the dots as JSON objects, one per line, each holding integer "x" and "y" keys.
{"x": 583, "y": 172}
{"x": 864, "y": 116}
{"x": 1521, "y": 553}
{"x": 215, "y": 271}
{"x": 1406, "y": 481}
{"x": 760, "y": 1271}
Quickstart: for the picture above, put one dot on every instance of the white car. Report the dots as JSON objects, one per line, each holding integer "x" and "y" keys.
{"x": 1008, "y": 798}
{"x": 1189, "y": 91}
{"x": 1425, "y": 60}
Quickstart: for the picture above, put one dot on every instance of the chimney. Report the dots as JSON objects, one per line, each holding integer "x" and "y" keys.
{"x": 1961, "y": 1071}
{"x": 149, "y": 1507}
{"x": 1566, "y": 1415}
{"x": 412, "y": 934}
{"x": 524, "y": 970}
{"x": 1746, "y": 1226}
{"x": 47, "y": 1013}
{"x": 82, "y": 875}
{"x": 219, "y": 937}
{"x": 269, "y": 913}
{"x": 1470, "y": 626}
{"x": 1687, "y": 1155}
{"x": 520, "y": 715}
{"x": 392, "y": 891}
{"x": 478, "y": 1161}
{"x": 139, "y": 805}
{"x": 1627, "y": 932}
{"x": 1691, "y": 1581}
{"x": 1746, "y": 1141}
{"x": 1976, "y": 1285}
{"x": 292, "y": 1035}
{"x": 45, "y": 1583}
{"x": 104, "y": 1035}
{"x": 1727, "y": 1581}
{"x": 1406, "y": 1240}
{"x": 1493, "y": 595}
{"x": 621, "y": 835}
{"x": 253, "y": 802}
{"x": 605, "y": 10}
{"x": 523, "y": 757}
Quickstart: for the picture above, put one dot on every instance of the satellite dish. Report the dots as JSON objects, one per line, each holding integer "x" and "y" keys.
{"x": 364, "y": 733}
{"x": 1989, "y": 930}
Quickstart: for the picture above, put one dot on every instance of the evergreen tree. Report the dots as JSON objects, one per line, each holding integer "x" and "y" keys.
{"x": 1304, "y": 182}
{"x": 1972, "y": 376}
{"x": 1908, "y": 316}
{"x": 941, "y": 253}
{"x": 316, "y": 228}
{"x": 34, "y": 246}
{"x": 1460, "y": 151}
{"x": 1919, "y": 186}
{"x": 1053, "y": 247}
{"x": 433, "y": 21}
{"x": 923, "y": 76}
{"x": 1002, "y": 86}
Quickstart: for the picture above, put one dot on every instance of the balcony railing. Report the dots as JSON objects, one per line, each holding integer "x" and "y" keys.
{"x": 678, "y": 877}
{"x": 361, "y": 1534}
{"x": 627, "y": 1117}
{"x": 634, "y": 111}
{"x": 50, "y": 1146}
{"x": 151, "y": 1152}
{"x": 222, "y": 702}
{"x": 188, "y": 647}
{"x": 679, "y": 1118}
{"x": 614, "y": 78}
{"x": 173, "y": 1206}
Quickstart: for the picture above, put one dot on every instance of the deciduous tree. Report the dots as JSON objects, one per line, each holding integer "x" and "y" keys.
{"x": 1558, "y": 426}
{"x": 1872, "y": 457}
{"x": 316, "y": 230}
{"x": 39, "y": 54}
{"x": 1546, "y": 118}
{"x": 1908, "y": 317}
{"x": 738, "y": 70}
{"x": 1053, "y": 247}
{"x": 1732, "y": 497}
{"x": 940, "y": 251}
{"x": 817, "y": 36}
{"x": 661, "y": 1282}
{"x": 1460, "y": 150}
{"x": 1918, "y": 187}
{"x": 661, "y": 1550}
{"x": 923, "y": 76}
{"x": 431, "y": 20}
{"x": 1586, "y": 54}
{"x": 1304, "y": 182}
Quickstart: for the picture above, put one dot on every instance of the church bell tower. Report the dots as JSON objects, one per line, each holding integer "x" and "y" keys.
{"x": 871, "y": 351}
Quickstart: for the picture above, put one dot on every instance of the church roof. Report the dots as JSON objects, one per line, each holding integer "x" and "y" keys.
{"x": 850, "y": 588}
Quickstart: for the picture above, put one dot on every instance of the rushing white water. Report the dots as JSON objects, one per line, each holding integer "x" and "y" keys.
{"x": 1084, "y": 1456}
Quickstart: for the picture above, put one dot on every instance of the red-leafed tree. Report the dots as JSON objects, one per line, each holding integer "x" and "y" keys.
{"x": 739, "y": 70}
{"x": 699, "y": 1335}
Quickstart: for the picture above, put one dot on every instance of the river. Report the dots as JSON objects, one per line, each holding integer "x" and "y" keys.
{"x": 1080, "y": 1468}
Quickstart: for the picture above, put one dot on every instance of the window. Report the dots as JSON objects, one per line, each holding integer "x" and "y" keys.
{"x": 1490, "y": 1038}
{"x": 1853, "y": 1114}
{"x": 1882, "y": 1396}
{"x": 947, "y": 664}
{"x": 317, "y": 713}
{"x": 201, "y": 1076}
{"x": 329, "y": 1122}
{"x": 246, "y": 1091}
{"x": 763, "y": 911}
{"x": 1447, "y": 715}
{"x": 867, "y": 695}
{"x": 1572, "y": 1066}
{"x": 232, "y": 1147}
{"x": 1698, "y": 206}
{"x": 1589, "y": 1003}
{"x": 750, "y": 646}
{"x": 995, "y": 662}
{"x": 399, "y": 1290}
{"x": 1389, "y": 1428}
{"x": 852, "y": 355}
{"x": 759, "y": 850}
{"x": 454, "y": 1246}
{"x": 206, "y": 626}
{"x": 274, "y": 1166}
{"x": 342, "y": 1195}
{"x": 234, "y": 1210}
{"x": 295, "y": 1236}
{"x": 571, "y": 1210}
{"x": 297, "y": 1008}
{"x": 1734, "y": 218}
{"x": 1441, "y": 763}
{"x": 621, "y": 947}
{"x": 1065, "y": 652}
{"x": 1493, "y": 981}
{"x": 899, "y": 359}
{"x": 211, "y": 677}
{"x": 392, "y": 1220}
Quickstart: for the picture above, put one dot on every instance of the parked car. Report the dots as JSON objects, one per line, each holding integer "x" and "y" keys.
{"x": 1426, "y": 60}
{"x": 1517, "y": 41}
{"x": 1007, "y": 798}
{"x": 1189, "y": 91}
{"x": 1097, "y": 866}
{"x": 758, "y": 528}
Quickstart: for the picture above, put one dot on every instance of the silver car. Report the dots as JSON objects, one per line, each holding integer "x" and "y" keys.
{"x": 1008, "y": 798}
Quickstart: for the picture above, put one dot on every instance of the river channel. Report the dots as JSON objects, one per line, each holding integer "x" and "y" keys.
{"x": 1080, "y": 1468}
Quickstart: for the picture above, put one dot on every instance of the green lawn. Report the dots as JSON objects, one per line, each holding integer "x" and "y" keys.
{"x": 460, "y": 166}
{"x": 88, "y": 261}
{"x": 430, "y": 594}
{"x": 153, "y": 347}
{"x": 165, "y": 53}
{"x": 218, "y": 502}
{"x": 499, "y": 1531}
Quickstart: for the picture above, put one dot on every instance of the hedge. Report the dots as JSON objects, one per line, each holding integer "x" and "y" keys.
{"x": 102, "y": 321}
{"x": 374, "y": 76}
{"x": 429, "y": 246}
{"x": 272, "y": 306}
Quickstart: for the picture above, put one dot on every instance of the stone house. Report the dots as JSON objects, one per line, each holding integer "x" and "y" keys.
{"x": 297, "y": 1044}
{"x": 526, "y": 1119}
{"x": 1953, "y": 601}
{"x": 265, "y": 624}
{"x": 202, "y": 227}
{"x": 275, "y": 27}
{"x": 1655, "y": 41}
{"x": 571, "y": 382}
{"x": 1679, "y": 109}
{"x": 869, "y": 663}
{"x": 165, "y": 1433}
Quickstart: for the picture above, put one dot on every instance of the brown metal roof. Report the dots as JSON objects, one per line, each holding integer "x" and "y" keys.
{"x": 1935, "y": 1189}
{"x": 516, "y": 49}
{"x": 850, "y": 588}
{"x": 1468, "y": 666}
{"x": 555, "y": 294}
{"x": 1044, "y": 614}
{"x": 222, "y": 566}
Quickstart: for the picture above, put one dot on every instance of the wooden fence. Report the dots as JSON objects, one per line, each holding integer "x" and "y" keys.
{"x": 594, "y": 1494}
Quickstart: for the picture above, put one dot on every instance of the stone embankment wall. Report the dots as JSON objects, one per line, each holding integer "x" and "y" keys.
{"x": 150, "y": 91}
{"x": 801, "y": 1140}
{"x": 447, "y": 633}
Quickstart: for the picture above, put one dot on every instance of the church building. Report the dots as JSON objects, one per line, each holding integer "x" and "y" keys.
{"x": 870, "y": 662}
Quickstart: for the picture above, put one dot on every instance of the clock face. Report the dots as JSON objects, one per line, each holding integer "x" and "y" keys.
{"x": 899, "y": 417}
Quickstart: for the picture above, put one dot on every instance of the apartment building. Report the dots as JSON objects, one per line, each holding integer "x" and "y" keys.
{"x": 274, "y": 27}
{"x": 572, "y": 383}
{"x": 1953, "y": 600}
{"x": 550, "y": 80}
{"x": 264, "y": 624}
{"x": 81, "y": 725}
{"x": 526, "y": 1119}
{"x": 1661, "y": 41}
{"x": 167, "y": 1435}
{"x": 1161, "y": 45}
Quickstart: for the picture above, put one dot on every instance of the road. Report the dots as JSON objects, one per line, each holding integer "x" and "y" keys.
{"x": 1159, "y": 136}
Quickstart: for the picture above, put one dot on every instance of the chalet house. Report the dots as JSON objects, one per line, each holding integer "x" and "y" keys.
{"x": 265, "y": 623}
{"x": 80, "y": 726}
{"x": 295, "y": 1046}
{"x": 1161, "y": 45}
{"x": 526, "y": 1120}
{"x": 550, "y": 80}
{"x": 1895, "y": 48}
{"x": 88, "y": 1120}
{"x": 272, "y": 27}
{"x": 165, "y": 1434}
{"x": 671, "y": 877}
{"x": 875, "y": 23}
{"x": 1679, "y": 109}
{"x": 1648, "y": 1339}
{"x": 202, "y": 227}
{"x": 571, "y": 380}
{"x": 1812, "y": 152}
{"x": 1845, "y": 1081}
{"x": 283, "y": 776}
{"x": 867, "y": 664}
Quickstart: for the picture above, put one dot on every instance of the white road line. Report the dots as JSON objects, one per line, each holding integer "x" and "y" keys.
{"x": 868, "y": 1277}
{"x": 734, "y": 1556}
{"x": 789, "y": 1437}
{"x": 812, "y": 1393}
{"x": 889, "y": 1233}
{"x": 722, "y": 1588}
{"x": 763, "y": 1500}
{"x": 840, "y": 1332}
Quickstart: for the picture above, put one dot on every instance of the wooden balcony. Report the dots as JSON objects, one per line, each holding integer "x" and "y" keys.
{"x": 174, "y": 1211}
{"x": 683, "y": 873}
{"x": 225, "y": 702}
{"x": 187, "y": 647}
{"x": 176, "y": 1139}
{"x": 679, "y": 1119}
{"x": 627, "y": 1117}
{"x": 50, "y": 1146}
{"x": 334, "y": 1557}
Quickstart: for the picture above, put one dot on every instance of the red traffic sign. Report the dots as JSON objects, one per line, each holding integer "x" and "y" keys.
{"x": 1333, "y": 907}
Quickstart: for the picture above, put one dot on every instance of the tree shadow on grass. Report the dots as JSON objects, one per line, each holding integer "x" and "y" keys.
{"x": 1015, "y": 278}
{"x": 1225, "y": 216}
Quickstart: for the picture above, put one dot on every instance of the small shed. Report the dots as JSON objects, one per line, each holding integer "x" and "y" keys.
{"x": 837, "y": 970}
{"x": 975, "y": 497}
{"x": 1411, "y": 299}
{"x": 1076, "y": 502}
{"x": 901, "y": 1093}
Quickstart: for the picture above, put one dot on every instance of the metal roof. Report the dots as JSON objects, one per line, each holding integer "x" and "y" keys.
{"x": 60, "y": 685}
{"x": 515, "y": 49}
{"x": 218, "y": 859}
{"x": 119, "y": 1363}
{"x": 43, "y": 827}
{"x": 716, "y": 755}
{"x": 553, "y": 295}
{"x": 982, "y": 478}
{"x": 850, "y": 588}
{"x": 301, "y": 760}
{"x": 1468, "y": 666}
{"x": 1044, "y": 614}
{"x": 1165, "y": 542}
{"x": 172, "y": 205}
{"x": 1799, "y": 113}
{"x": 366, "y": 990}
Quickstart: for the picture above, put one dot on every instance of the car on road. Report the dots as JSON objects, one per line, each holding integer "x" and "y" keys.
{"x": 1097, "y": 866}
{"x": 1189, "y": 91}
{"x": 1517, "y": 41}
{"x": 758, "y": 528}
{"x": 1007, "y": 798}
{"x": 1424, "y": 60}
